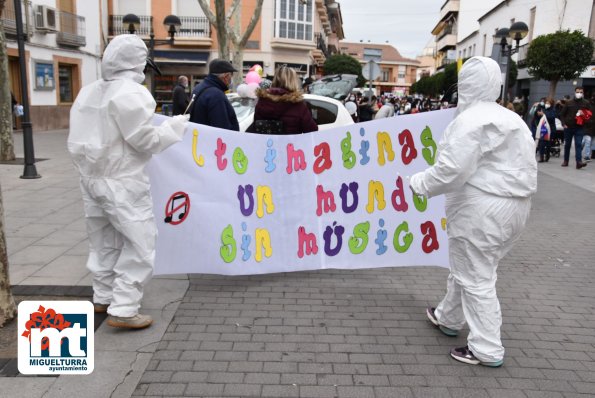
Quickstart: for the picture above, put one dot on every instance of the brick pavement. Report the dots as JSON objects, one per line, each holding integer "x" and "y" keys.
{"x": 363, "y": 333}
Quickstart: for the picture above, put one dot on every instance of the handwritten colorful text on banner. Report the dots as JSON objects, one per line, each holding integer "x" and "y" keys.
{"x": 238, "y": 203}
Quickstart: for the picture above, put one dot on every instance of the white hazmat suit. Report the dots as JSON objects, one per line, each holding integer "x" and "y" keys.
{"x": 486, "y": 167}
{"x": 111, "y": 139}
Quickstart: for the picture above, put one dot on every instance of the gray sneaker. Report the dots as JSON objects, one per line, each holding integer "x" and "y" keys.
{"x": 132, "y": 322}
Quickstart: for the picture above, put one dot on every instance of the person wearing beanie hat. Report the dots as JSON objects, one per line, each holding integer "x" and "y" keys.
{"x": 211, "y": 106}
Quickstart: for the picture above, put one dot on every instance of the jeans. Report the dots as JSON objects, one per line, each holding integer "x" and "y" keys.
{"x": 577, "y": 133}
{"x": 587, "y": 142}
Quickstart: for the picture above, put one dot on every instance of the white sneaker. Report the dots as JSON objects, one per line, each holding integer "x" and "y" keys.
{"x": 132, "y": 322}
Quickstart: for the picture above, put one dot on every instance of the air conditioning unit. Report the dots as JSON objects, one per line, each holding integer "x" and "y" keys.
{"x": 46, "y": 19}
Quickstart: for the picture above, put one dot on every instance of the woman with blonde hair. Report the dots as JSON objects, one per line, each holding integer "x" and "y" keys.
{"x": 281, "y": 109}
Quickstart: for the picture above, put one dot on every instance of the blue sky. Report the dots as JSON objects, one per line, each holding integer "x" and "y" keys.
{"x": 406, "y": 24}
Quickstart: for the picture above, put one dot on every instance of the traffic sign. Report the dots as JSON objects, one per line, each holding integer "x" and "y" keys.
{"x": 371, "y": 70}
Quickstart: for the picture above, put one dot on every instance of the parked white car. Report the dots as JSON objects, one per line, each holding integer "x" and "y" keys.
{"x": 327, "y": 112}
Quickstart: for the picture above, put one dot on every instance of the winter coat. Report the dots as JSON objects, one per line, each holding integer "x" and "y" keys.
{"x": 179, "y": 100}
{"x": 211, "y": 106}
{"x": 288, "y": 107}
{"x": 365, "y": 112}
{"x": 568, "y": 113}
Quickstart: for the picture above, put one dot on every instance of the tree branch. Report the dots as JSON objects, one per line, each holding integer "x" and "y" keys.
{"x": 232, "y": 10}
{"x": 205, "y": 6}
{"x": 251, "y": 25}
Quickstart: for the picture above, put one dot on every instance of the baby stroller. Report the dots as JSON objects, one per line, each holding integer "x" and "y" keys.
{"x": 557, "y": 139}
{"x": 555, "y": 144}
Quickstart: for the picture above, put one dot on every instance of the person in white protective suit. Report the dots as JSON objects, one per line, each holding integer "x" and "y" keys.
{"x": 486, "y": 167}
{"x": 111, "y": 139}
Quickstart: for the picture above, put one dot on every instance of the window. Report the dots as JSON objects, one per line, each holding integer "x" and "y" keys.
{"x": 188, "y": 8}
{"x": 385, "y": 75}
{"x": 402, "y": 71}
{"x": 474, "y": 49}
{"x": 65, "y": 73}
{"x": 293, "y": 19}
{"x": 485, "y": 38}
{"x": 374, "y": 54}
{"x": 323, "y": 112}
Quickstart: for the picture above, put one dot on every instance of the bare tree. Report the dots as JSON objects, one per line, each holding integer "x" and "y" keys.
{"x": 227, "y": 24}
{"x": 7, "y": 306}
{"x": 6, "y": 137}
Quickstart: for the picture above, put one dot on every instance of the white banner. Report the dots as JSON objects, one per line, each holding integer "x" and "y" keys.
{"x": 237, "y": 203}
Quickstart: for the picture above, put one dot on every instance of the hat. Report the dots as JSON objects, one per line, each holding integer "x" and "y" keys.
{"x": 221, "y": 66}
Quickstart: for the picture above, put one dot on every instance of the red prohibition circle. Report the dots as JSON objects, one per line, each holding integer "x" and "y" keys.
{"x": 176, "y": 202}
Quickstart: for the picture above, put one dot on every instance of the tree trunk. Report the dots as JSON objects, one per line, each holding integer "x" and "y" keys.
{"x": 8, "y": 308}
{"x": 553, "y": 85}
{"x": 6, "y": 136}
{"x": 222, "y": 30}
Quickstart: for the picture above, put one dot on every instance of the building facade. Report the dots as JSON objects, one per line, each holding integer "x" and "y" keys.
{"x": 445, "y": 33}
{"x": 66, "y": 38}
{"x": 297, "y": 33}
{"x": 62, "y": 54}
{"x": 397, "y": 73}
{"x": 479, "y": 21}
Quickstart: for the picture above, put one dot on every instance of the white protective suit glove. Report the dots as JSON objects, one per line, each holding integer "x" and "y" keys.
{"x": 178, "y": 124}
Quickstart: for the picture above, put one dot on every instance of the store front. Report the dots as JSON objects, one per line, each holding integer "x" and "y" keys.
{"x": 173, "y": 64}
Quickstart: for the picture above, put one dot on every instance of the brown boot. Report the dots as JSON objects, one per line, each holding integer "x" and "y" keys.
{"x": 565, "y": 164}
{"x": 540, "y": 160}
{"x": 580, "y": 165}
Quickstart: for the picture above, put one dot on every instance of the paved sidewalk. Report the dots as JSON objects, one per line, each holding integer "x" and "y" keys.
{"x": 331, "y": 333}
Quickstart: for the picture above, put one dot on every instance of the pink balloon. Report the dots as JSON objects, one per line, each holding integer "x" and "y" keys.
{"x": 253, "y": 77}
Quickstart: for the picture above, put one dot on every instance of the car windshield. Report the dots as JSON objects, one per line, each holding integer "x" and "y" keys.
{"x": 243, "y": 107}
{"x": 334, "y": 86}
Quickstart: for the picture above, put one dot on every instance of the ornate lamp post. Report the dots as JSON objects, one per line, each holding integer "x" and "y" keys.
{"x": 517, "y": 32}
{"x": 30, "y": 170}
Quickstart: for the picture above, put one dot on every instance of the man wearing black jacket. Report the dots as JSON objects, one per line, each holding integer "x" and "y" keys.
{"x": 572, "y": 116}
{"x": 180, "y": 96}
{"x": 211, "y": 106}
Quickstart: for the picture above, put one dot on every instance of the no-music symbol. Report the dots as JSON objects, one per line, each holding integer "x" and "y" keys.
{"x": 173, "y": 206}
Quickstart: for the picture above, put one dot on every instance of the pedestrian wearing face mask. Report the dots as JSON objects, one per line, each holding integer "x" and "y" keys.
{"x": 536, "y": 113}
{"x": 180, "y": 96}
{"x": 545, "y": 140}
{"x": 571, "y": 115}
{"x": 211, "y": 107}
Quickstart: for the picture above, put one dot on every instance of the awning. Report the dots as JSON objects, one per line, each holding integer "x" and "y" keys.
{"x": 181, "y": 57}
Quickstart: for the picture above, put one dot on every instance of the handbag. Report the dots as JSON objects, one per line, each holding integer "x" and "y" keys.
{"x": 18, "y": 110}
{"x": 544, "y": 129}
{"x": 268, "y": 126}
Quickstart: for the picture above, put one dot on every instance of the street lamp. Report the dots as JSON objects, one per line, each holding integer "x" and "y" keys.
{"x": 172, "y": 23}
{"x": 30, "y": 170}
{"x": 517, "y": 32}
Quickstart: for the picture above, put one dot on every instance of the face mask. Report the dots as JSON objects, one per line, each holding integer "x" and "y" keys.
{"x": 542, "y": 103}
{"x": 578, "y": 95}
{"x": 547, "y": 106}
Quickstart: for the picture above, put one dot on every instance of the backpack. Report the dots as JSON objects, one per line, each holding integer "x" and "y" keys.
{"x": 268, "y": 127}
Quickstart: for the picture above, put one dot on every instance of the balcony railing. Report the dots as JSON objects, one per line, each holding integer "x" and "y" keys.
{"x": 116, "y": 27}
{"x": 194, "y": 27}
{"x": 448, "y": 30}
{"x": 321, "y": 44}
{"x": 9, "y": 18}
{"x": 72, "y": 30}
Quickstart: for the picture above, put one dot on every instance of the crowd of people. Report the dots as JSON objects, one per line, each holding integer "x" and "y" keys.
{"x": 366, "y": 108}
{"x": 554, "y": 123}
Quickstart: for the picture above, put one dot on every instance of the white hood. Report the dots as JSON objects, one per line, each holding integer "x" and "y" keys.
{"x": 480, "y": 80}
{"x": 124, "y": 58}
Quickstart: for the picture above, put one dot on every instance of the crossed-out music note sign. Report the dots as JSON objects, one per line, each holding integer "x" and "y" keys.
{"x": 177, "y": 208}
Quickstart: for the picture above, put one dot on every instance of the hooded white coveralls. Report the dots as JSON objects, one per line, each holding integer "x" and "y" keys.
{"x": 486, "y": 167}
{"x": 111, "y": 139}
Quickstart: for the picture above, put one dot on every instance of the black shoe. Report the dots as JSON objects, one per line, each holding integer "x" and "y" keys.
{"x": 580, "y": 165}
